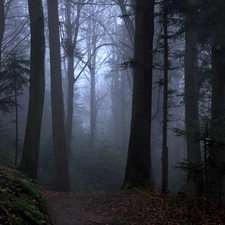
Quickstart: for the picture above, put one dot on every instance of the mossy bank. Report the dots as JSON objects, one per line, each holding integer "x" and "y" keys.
{"x": 21, "y": 201}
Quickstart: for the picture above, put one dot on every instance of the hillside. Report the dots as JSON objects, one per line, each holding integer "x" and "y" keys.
{"x": 21, "y": 201}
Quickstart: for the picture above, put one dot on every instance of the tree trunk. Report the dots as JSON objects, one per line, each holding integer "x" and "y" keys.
{"x": 29, "y": 163}
{"x": 70, "y": 47}
{"x": 92, "y": 54}
{"x": 137, "y": 172}
{"x": 217, "y": 154}
{"x": 122, "y": 110}
{"x": 116, "y": 105}
{"x": 16, "y": 115}
{"x": 165, "y": 101}
{"x": 93, "y": 104}
{"x": 58, "y": 129}
{"x": 195, "y": 181}
{"x": 127, "y": 20}
{"x": 70, "y": 77}
{"x": 2, "y": 27}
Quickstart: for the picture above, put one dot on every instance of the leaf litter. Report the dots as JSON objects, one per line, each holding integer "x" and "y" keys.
{"x": 121, "y": 208}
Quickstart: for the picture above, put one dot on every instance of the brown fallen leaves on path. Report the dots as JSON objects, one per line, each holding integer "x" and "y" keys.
{"x": 120, "y": 208}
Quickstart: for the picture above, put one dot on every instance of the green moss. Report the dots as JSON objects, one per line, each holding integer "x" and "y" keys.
{"x": 21, "y": 202}
{"x": 20, "y": 210}
{"x": 31, "y": 189}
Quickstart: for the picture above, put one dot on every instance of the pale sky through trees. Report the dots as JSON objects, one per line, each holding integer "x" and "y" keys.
{"x": 113, "y": 83}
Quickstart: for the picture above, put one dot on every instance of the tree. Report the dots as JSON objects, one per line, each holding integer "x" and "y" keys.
{"x": 165, "y": 99}
{"x": 217, "y": 151}
{"x": 2, "y": 27}
{"x": 72, "y": 29}
{"x": 191, "y": 96}
{"x": 127, "y": 19}
{"x": 14, "y": 80}
{"x": 14, "y": 26}
{"x": 29, "y": 162}
{"x": 137, "y": 172}
{"x": 117, "y": 87}
{"x": 120, "y": 87}
{"x": 92, "y": 41}
{"x": 95, "y": 33}
{"x": 58, "y": 129}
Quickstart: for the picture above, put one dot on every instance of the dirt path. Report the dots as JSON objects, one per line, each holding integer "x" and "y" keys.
{"x": 81, "y": 209}
{"x": 119, "y": 208}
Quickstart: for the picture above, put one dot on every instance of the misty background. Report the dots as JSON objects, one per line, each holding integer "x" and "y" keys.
{"x": 102, "y": 94}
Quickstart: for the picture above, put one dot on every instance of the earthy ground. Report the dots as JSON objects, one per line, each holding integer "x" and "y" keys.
{"x": 23, "y": 202}
{"x": 117, "y": 208}
{"x": 80, "y": 209}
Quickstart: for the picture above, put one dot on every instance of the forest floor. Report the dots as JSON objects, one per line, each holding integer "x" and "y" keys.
{"x": 24, "y": 202}
{"x": 120, "y": 208}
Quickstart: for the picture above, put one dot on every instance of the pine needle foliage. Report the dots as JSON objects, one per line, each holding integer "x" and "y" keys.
{"x": 212, "y": 139}
{"x": 13, "y": 79}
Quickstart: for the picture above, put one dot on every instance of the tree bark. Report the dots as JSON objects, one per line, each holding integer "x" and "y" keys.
{"x": 70, "y": 77}
{"x": 195, "y": 182}
{"x": 92, "y": 54}
{"x": 58, "y": 129}
{"x": 138, "y": 166}
{"x": 70, "y": 47}
{"x": 93, "y": 103}
{"x": 29, "y": 162}
{"x": 16, "y": 115}
{"x": 165, "y": 100}
{"x": 127, "y": 20}
{"x": 216, "y": 186}
{"x": 2, "y": 27}
{"x": 122, "y": 110}
{"x": 116, "y": 93}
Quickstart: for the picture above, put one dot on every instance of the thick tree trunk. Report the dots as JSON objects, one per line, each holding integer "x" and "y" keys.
{"x": 137, "y": 172}
{"x": 195, "y": 182}
{"x": 2, "y": 27}
{"x": 29, "y": 163}
{"x": 58, "y": 129}
{"x": 216, "y": 182}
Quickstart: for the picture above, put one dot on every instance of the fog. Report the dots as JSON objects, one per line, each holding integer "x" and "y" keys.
{"x": 102, "y": 100}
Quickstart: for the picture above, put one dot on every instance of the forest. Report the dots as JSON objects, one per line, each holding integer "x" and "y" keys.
{"x": 98, "y": 96}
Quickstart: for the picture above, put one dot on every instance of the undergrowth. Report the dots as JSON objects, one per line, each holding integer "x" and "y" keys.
{"x": 21, "y": 202}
